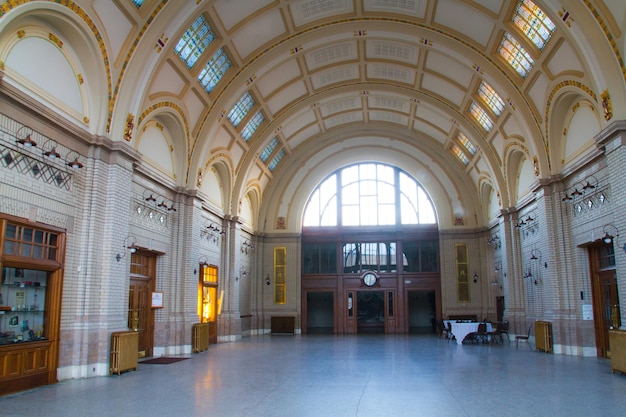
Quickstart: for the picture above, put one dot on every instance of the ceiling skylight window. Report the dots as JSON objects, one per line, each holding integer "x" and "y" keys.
{"x": 458, "y": 152}
{"x": 481, "y": 116}
{"x": 465, "y": 142}
{"x": 252, "y": 126}
{"x": 240, "y": 109}
{"x": 194, "y": 41}
{"x": 533, "y": 22}
{"x": 491, "y": 98}
{"x": 137, "y": 3}
{"x": 276, "y": 159}
{"x": 269, "y": 149}
{"x": 513, "y": 52}
{"x": 214, "y": 70}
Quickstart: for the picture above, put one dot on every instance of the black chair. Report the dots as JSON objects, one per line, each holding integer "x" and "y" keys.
{"x": 481, "y": 333}
{"x": 449, "y": 334}
{"x": 441, "y": 329}
{"x": 499, "y": 332}
{"x": 525, "y": 338}
{"x": 504, "y": 330}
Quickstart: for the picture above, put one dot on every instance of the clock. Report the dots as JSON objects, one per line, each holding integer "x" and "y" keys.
{"x": 369, "y": 279}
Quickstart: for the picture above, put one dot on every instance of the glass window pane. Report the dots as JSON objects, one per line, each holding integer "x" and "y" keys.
{"x": 328, "y": 258}
{"x": 194, "y": 41}
{"x": 513, "y": 52}
{"x": 369, "y": 211}
{"x": 214, "y": 70}
{"x": 371, "y": 199}
{"x": 241, "y": 109}
{"x": 350, "y": 215}
{"x": 329, "y": 213}
{"x": 429, "y": 257}
{"x": 426, "y": 209}
{"x": 350, "y": 194}
{"x": 386, "y": 214}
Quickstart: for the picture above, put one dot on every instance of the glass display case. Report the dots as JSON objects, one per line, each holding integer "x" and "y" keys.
{"x": 30, "y": 303}
{"x": 22, "y": 305}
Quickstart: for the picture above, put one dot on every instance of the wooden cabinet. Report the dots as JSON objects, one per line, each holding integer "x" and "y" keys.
{"x": 283, "y": 324}
{"x": 25, "y": 365}
{"x": 617, "y": 344}
{"x": 543, "y": 336}
{"x": 30, "y": 303}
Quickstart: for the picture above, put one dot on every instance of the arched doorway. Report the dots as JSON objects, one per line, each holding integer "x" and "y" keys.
{"x": 370, "y": 237}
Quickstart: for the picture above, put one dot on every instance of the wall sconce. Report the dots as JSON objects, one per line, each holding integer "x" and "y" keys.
{"x": 214, "y": 227}
{"x": 50, "y": 152}
{"x": 22, "y": 153}
{"x": 534, "y": 257}
{"x": 24, "y": 137}
{"x": 608, "y": 238}
{"x": 494, "y": 282}
{"x": 212, "y": 231}
{"x": 267, "y": 280}
{"x": 246, "y": 246}
{"x": 130, "y": 244}
{"x": 73, "y": 163}
{"x": 530, "y": 217}
{"x": 589, "y": 183}
{"x": 203, "y": 262}
{"x": 242, "y": 273}
{"x": 475, "y": 277}
{"x": 494, "y": 241}
{"x": 158, "y": 201}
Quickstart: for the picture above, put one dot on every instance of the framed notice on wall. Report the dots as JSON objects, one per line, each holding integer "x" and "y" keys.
{"x": 157, "y": 300}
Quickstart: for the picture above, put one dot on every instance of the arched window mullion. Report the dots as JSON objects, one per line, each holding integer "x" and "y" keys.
{"x": 372, "y": 190}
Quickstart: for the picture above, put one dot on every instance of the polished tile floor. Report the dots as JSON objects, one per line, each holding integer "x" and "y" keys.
{"x": 356, "y": 376}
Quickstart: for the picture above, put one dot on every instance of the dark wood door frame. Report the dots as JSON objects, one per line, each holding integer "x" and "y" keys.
{"x": 141, "y": 287}
{"x": 604, "y": 295}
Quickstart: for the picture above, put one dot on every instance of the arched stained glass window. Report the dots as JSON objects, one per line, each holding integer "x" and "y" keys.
{"x": 369, "y": 195}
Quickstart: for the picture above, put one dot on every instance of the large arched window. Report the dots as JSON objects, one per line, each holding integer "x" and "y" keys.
{"x": 369, "y": 195}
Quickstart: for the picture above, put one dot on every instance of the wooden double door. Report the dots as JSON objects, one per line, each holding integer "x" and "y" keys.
{"x": 605, "y": 295}
{"x": 140, "y": 312}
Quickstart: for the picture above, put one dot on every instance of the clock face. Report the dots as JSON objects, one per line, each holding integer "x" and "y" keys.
{"x": 369, "y": 279}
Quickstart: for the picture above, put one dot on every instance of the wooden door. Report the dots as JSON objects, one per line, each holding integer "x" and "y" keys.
{"x": 604, "y": 298}
{"x": 499, "y": 308}
{"x": 370, "y": 310}
{"x": 350, "y": 322}
{"x": 390, "y": 315}
{"x": 140, "y": 314}
{"x": 604, "y": 294}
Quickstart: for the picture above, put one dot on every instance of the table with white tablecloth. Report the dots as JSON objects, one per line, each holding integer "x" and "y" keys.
{"x": 462, "y": 329}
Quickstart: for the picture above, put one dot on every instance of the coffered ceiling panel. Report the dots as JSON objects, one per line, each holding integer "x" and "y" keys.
{"x": 231, "y": 12}
{"x": 168, "y": 80}
{"x": 286, "y": 96}
{"x": 307, "y": 11}
{"x": 258, "y": 31}
{"x": 399, "y": 104}
{"x": 448, "y": 67}
{"x": 416, "y": 8}
{"x": 458, "y": 16}
{"x": 335, "y": 75}
{"x": 443, "y": 88}
{"x": 396, "y": 51}
{"x": 278, "y": 76}
{"x": 322, "y": 57}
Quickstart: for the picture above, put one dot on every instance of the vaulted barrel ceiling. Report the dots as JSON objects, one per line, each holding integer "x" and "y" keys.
{"x": 344, "y": 81}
